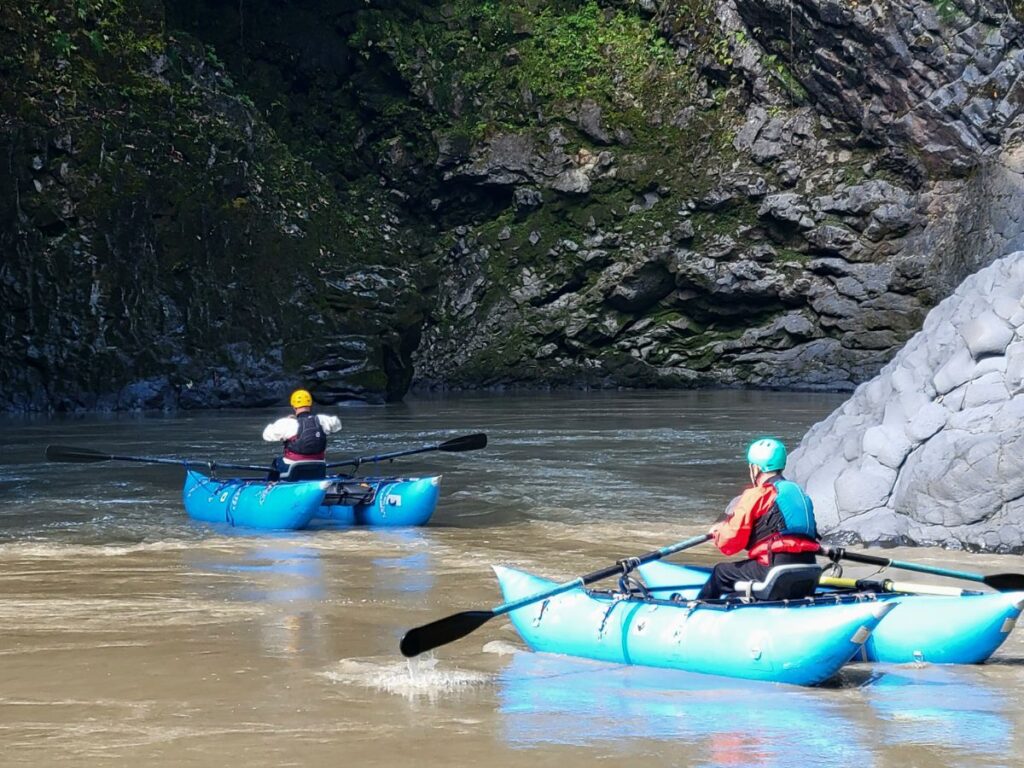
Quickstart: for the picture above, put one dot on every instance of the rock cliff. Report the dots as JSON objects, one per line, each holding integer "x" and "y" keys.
{"x": 162, "y": 247}
{"x": 784, "y": 220}
{"x": 206, "y": 202}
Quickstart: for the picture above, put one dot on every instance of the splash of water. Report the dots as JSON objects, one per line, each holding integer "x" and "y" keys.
{"x": 411, "y": 678}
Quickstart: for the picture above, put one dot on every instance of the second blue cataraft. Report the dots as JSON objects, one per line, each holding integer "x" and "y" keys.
{"x": 303, "y": 495}
{"x": 338, "y": 501}
{"x": 298, "y": 491}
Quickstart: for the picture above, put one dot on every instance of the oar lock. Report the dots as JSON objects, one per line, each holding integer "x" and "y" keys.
{"x": 540, "y": 613}
{"x": 211, "y": 466}
{"x": 629, "y": 585}
{"x": 835, "y": 554}
{"x": 629, "y": 564}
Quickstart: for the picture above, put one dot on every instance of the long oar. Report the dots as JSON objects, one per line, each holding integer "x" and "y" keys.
{"x": 87, "y": 456}
{"x": 1004, "y": 582}
{"x": 455, "y": 445}
{"x": 451, "y": 628}
{"x": 888, "y": 585}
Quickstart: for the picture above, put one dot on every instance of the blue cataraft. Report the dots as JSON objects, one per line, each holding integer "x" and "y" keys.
{"x": 334, "y": 501}
{"x": 964, "y": 629}
{"x": 802, "y": 642}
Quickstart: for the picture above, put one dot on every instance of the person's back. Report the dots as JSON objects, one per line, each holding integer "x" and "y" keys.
{"x": 303, "y": 434}
{"x": 773, "y": 520}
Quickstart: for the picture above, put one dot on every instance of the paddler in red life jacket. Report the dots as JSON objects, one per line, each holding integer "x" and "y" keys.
{"x": 304, "y": 435}
{"x": 773, "y": 520}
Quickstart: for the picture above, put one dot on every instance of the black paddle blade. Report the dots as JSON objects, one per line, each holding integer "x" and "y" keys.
{"x": 464, "y": 443}
{"x": 67, "y": 453}
{"x": 441, "y": 632}
{"x": 1006, "y": 582}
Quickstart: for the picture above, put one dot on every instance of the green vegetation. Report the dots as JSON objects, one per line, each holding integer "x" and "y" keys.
{"x": 785, "y": 77}
{"x": 517, "y": 59}
{"x": 946, "y": 9}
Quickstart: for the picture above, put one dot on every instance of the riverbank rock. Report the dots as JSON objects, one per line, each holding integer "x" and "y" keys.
{"x": 931, "y": 451}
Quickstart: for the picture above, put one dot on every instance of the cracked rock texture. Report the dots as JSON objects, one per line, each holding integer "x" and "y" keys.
{"x": 931, "y": 451}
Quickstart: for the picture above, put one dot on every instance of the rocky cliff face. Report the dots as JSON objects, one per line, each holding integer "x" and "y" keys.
{"x": 207, "y": 202}
{"x": 931, "y": 450}
{"x": 785, "y": 220}
{"x": 162, "y": 247}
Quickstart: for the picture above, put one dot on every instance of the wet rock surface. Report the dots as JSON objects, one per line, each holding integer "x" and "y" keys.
{"x": 162, "y": 249}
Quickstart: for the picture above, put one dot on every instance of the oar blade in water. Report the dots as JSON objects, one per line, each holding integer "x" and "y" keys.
{"x": 441, "y": 632}
{"x": 464, "y": 443}
{"x": 67, "y": 453}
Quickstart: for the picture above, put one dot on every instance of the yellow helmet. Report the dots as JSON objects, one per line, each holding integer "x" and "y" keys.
{"x": 301, "y": 399}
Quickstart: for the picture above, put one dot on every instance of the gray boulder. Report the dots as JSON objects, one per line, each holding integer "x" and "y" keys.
{"x": 931, "y": 451}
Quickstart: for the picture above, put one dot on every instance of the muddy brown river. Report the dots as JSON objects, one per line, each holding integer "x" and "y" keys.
{"x": 131, "y": 636}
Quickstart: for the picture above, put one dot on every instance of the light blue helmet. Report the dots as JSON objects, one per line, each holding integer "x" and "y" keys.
{"x": 767, "y": 454}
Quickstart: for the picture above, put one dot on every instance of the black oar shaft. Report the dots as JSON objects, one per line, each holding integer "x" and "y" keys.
{"x": 87, "y": 455}
{"x": 604, "y": 573}
{"x": 455, "y": 445}
{"x": 857, "y": 557}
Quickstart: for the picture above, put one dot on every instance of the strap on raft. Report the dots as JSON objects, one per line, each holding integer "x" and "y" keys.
{"x": 351, "y": 493}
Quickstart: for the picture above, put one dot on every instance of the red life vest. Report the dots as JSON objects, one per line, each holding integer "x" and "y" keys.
{"x": 764, "y": 521}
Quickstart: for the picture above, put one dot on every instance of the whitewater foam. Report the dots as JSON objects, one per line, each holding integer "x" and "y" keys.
{"x": 411, "y": 678}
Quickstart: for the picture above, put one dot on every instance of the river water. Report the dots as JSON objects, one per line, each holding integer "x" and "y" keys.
{"x": 132, "y": 636}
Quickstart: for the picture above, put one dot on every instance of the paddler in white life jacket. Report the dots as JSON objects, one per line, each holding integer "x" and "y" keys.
{"x": 304, "y": 434}
{"x": 773, "y": 520}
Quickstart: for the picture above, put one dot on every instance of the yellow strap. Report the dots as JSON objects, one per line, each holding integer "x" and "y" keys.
{"x": 833, "y": 581}
{"x": 895, "y": 586}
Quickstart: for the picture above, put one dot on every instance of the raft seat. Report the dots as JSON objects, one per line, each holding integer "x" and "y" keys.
{"x": 304, "y": 470}
{"x": 783, "y": 582}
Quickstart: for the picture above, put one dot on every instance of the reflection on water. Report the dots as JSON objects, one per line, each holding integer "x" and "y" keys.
{"x": 932, "y": 710}
{"x": 283, "y": 578}
{"x": 947, "y": 707}
{"x": 413, "y": 572}
{"x": 559, "y": 700}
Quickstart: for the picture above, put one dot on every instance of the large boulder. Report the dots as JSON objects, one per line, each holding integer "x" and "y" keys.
{"x": 931, "y": 451}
